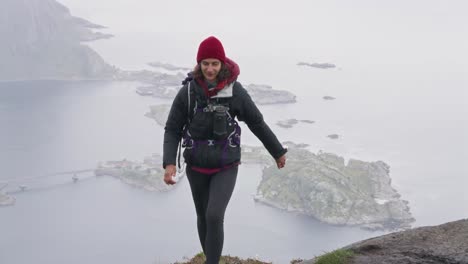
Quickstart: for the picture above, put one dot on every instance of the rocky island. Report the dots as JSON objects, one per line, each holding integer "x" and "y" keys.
{"x": 159, "y": 113}
{"x": 265, "y": 94}
{"x": 323, "y": 186}
{"x": 147, "y": 175}
{"x": 288, "y": 123}
{"x": 42, "y": 40}
{"x": 6, "y": 200}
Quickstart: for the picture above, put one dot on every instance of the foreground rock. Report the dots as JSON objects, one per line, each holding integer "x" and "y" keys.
{"x": 6, "y": 200}
{"x": 147, "y": 175}
{"x": 42, "y": 40}
{"x": 447, "y": 243}
{"x": 322, "y": 186}
{"x": 201, "y": 259}
{"x": 443, "y": 244}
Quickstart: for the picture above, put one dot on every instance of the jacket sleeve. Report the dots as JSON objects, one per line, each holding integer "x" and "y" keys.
{"x": 174, "y": 126}
{"x": 249, "y": 113}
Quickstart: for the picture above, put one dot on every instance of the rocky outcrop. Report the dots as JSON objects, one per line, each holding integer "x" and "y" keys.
{"x": 42, "y": 40}
{"x": 322, "y": 186}
{"x": 443, "y": 244}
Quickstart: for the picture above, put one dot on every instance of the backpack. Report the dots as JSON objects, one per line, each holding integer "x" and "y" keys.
{"x": 211, "y": 137}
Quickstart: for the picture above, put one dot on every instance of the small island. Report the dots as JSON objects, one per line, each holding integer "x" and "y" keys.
{"x": 159, "y": 113}
{"x": 322, "y": 186}
{"x": 317, "y": 65}
{"x": 333, "y": 136}
{"x": 156, "y": 84}
{"x": 327, "y": 97}
{"x": 168, "y": 66}
{"x": 265, "y": 94}
{"x": 6, "y": 200}
{"x": 147, "y": 175}
{"x": 288, "y": 123}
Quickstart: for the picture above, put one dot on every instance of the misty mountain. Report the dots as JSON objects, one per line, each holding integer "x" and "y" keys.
{"x": 42, "y": 40}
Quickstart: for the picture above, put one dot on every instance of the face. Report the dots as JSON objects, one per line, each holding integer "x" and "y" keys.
{"x": 210, "y": 68}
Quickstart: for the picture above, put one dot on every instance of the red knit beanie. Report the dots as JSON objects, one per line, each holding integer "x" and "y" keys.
{"x": 211, "y": 48}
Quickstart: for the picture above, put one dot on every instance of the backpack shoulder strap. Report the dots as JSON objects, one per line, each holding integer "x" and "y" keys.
{"x": 188, "y": 97}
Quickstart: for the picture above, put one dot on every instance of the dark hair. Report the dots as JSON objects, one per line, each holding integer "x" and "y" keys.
{"x": 223, "y": 74}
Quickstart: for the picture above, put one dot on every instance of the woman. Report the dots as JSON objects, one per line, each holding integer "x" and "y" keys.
{"x": 203, "y": 116}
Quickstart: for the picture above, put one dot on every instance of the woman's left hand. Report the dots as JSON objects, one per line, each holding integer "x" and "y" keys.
{"x": 281, "y": 161}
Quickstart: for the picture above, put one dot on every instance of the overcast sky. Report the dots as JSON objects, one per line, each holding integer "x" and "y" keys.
{"x": 426, "y": 27}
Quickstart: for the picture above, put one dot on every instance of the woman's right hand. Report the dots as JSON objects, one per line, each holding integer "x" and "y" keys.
{"x": 169, "y": 174}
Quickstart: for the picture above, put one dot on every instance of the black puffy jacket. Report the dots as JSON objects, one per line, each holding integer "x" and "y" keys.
{"x": 241, "y": 107}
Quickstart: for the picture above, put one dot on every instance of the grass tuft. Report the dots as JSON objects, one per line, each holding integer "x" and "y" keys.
{"x": 200, "y": 259}
{"x": 339, "y": 256}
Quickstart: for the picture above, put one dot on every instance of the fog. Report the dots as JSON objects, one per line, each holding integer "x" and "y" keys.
{"x": 418, "y": 39}
{"x": 400, "y": 84}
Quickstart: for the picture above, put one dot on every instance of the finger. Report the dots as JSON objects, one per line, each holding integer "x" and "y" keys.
{"x": 170, "y": 182}
{"x": 169, "y": 179}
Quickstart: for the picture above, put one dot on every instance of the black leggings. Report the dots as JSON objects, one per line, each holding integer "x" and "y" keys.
{"x": 211, "y": 194}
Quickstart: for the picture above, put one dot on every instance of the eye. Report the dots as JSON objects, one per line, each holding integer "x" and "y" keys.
{"x": 215, "y": 64}
{"x": 205, "y": 63}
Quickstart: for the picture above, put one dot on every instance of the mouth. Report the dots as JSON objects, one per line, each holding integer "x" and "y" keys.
{"x": 209, "y": 75}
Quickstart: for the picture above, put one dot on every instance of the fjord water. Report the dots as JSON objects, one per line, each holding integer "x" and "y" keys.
{"x": 54, "y": 126}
